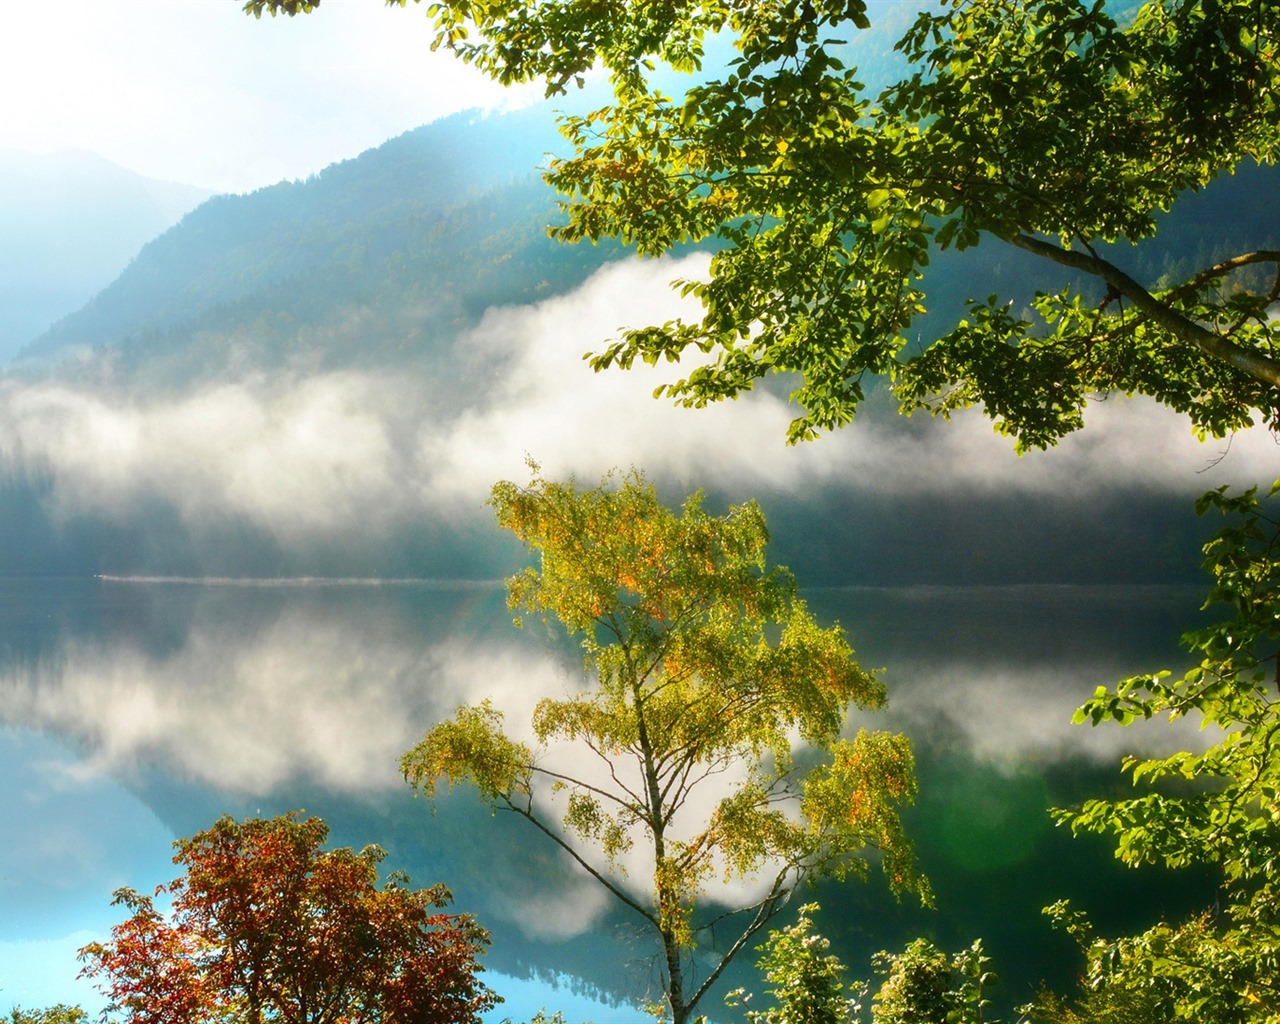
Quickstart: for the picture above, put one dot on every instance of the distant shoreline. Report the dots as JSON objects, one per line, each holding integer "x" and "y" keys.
{"x": 305, "y": 581}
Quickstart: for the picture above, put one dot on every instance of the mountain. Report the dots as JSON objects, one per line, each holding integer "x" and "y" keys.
{"x": 69, "y": 224}
{"x": 323, "y": 377}
{"x": 452, "y": 215}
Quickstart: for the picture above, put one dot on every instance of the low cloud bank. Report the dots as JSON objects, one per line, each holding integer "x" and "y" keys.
{"x": 307, "y": 459}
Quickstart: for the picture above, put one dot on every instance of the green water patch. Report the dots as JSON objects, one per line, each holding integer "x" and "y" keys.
{"x": 985, "y": 818}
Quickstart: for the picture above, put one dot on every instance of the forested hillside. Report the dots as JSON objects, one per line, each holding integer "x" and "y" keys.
{"x": 377, "y": 261}
{"x": 312, "y": 295}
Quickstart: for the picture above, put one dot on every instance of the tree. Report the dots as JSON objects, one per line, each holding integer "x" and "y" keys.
{"x": 1219, "y": 806}
{"x": 59, "y": 1013}
{"x": 1046, "y": 125}
{"x": 704, "y": 669}
{"x": 268, "y": 928}
{"x": 806, "y": 979}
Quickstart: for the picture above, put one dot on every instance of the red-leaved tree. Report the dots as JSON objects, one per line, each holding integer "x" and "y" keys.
{"x": 265, "y": 927}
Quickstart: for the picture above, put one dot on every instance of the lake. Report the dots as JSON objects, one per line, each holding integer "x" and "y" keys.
{"x": 137, "y": 710}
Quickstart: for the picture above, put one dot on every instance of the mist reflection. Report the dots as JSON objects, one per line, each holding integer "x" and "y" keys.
{"x": 136, "y": 711}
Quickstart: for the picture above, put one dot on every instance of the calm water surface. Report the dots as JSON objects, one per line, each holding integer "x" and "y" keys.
{"x": 136, "y": 711}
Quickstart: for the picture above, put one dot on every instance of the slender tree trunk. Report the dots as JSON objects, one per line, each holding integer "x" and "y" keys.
{"x": 675, "y": 979}
{"x": 662, "y": 886}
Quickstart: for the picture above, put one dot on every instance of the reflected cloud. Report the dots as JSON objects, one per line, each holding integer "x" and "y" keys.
{"x": 335, "y": 690}
{"x": 1003, "y": 715}
{"x": 325, "y": 688}
{"x": 320, "y": 697}
{"x": 262, "y": 699}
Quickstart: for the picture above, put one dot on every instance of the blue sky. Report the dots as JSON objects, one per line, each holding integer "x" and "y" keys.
{"x": 196, "y": 91}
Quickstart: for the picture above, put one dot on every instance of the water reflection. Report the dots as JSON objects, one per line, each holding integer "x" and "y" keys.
{"x": 137, "y": 711}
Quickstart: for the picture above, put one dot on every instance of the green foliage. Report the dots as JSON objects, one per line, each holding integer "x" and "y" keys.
{"x": 806, "y": 979}
{"x": 265, "y": 927}
{"x": 704, "y": 667}
{"x": 1216, "y": 806}
{"x": 274, "y": 7}
{"x": 60, "y": 1013}
{"x": 1214, "y": 967}
{"x": 1050, "y": 125}
{"x": 925, "y": 986}
{"x": 922, "y": 984}
{"x": 473, "y": 748}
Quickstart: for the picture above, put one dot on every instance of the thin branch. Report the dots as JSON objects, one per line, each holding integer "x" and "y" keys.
{"x": 767, "y": 909}
{"x": 611, "y": 763}
{"x": 737, "y": 911}
{"x": 603, "y": 879}
{"x": 1193, "y": 285}
{"x": 572, "y": 781}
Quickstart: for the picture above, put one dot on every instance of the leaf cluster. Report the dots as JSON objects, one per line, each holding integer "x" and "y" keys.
{"x": 265, "y": 927}
{"x": 922, "y": 984}
{"x": 59, "y": 1013}
{"x": 1216, "y": 806}
{"x": 805, "y": 979}
{"x": 1055, "y": 126}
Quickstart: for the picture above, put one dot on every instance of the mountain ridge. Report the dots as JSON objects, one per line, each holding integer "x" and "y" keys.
{"x": 70, "y": 222}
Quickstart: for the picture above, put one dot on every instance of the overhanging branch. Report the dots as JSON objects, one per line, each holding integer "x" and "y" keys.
{"x": 1225, "y": 267}
{"x": 1248, "y": 361}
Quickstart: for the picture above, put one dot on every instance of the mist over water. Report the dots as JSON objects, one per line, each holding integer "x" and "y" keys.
{"x": 248, "y": 564}
{"x": 362, "y": 472}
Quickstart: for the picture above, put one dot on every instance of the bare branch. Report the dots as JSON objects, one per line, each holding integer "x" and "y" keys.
{"x": 603, "y": 879}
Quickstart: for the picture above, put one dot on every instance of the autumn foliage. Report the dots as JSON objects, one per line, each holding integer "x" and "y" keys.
{"x": 711, "y": 739}
{"x": 265, "y": 927}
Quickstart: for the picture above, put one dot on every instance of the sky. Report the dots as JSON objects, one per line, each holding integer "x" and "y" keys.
{"x": 195, "y": 91}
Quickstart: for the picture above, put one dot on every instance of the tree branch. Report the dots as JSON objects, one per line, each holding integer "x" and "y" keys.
{"x": 1181, "y": 327}
{"x": 636, "y": 808}
{"x": 1226, "y": 266}
{"x": 593, "y": 872}
{"x": 766, "y": 909}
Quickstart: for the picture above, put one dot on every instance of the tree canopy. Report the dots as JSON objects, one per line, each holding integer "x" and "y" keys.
{"x": 710, "y": 686}
{"x": 1054, "y": 126}
{"x": 268, "y": 928}
{"x": 59, "y": 1013}
{"x": 1217, "y": 806}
